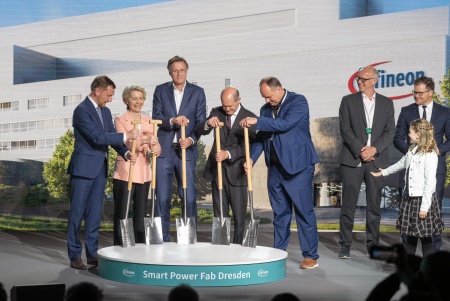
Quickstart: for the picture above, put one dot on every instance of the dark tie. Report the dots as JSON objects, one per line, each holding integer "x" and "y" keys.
{"x": 424, "y": 115}
{"x": 228, "y": 122}
{"x": 275, "y": 110}
{"x": 99, "y": 112}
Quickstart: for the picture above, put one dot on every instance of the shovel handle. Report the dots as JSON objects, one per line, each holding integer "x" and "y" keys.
{"x": 219, "y": 164}
{"x": 183, "y": 157}
{"x": 247, "y": 160}
{"x": 155, "y": 133}
{"x": 133, "y": 152}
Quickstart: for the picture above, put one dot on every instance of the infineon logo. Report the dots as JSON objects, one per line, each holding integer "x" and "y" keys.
{"x": 389, "y": 80}
{"x": 128, "y": 273}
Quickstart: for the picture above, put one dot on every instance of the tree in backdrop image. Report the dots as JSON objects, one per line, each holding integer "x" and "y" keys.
{"x": 58, "y": 181}
{"x": 55, "y": 170}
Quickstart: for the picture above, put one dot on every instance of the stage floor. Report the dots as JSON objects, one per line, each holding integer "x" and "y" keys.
{"x": 28, "y": 258}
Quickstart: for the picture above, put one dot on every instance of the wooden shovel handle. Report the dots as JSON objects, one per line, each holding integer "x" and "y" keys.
{"x": 247, "y": 160}
{"x": 155, "y": 133}
{"x": 133, "y": 152}
{"x": 183, "y": 157}
{"x": 219, "y": 164}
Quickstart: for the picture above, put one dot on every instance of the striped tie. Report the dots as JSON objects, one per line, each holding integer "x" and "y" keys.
{"x": 99, "y": 112}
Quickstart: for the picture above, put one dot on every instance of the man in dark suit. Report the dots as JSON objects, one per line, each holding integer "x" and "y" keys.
{"x": 367, "y": 126}
{"x": 439, "y": 116}
{"x": 284, "y": 136}
{"x": 232, "y": 156}
{"x": 88, "y": 168}
{"x": 177, "y": 103}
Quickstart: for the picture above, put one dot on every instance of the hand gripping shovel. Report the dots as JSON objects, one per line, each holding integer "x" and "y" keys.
{"x": 153, "y": 226}
{"x": 186, "y": 229}
{"x": 220, "y": 225}
{"x": 251, "y": 230}
{"x": 126, "y": 224}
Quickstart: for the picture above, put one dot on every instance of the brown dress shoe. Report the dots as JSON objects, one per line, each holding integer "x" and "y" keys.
{"x": 77, "y": 263}
{"x": 93, "y": 261}
{"x": 309, "y": 263}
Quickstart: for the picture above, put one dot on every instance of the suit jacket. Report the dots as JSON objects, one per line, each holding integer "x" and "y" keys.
{"x": 193, "y": 107}
{"x": 233, "y": 143}
{"x": 141, "y": 170}
{"x": 352, "y": 122}
{"x": 92, "y": 140}
{"x": 291, "y": 135}
{"x": 440, "y": 118}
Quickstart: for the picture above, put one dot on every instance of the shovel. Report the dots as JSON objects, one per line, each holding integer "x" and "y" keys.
{"x": 186, "y": 228}
{"x": 153, "y": 226}
{"x": 220, "y": 225}
{"x": 126, "y": 224}
{"x": 251, "y": 229}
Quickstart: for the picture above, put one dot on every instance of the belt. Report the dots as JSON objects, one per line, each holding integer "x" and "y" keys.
{"x": 175, "y": 146}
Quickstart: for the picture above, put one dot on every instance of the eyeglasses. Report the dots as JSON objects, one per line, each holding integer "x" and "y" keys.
{"x": 419, "y": 93}
{"x": 362, "y": 79}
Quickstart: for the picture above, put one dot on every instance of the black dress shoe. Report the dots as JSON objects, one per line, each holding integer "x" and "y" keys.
{"x": 77, "y": 263}
{"x": 93, "y": 261}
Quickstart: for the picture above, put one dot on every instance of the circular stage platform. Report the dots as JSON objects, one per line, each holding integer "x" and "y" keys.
{"x": 200, "y": 264}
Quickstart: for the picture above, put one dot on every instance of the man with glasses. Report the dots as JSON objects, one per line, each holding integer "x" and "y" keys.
{"x": 177, "y": 103}
{"x": 439, "y": 116}
{"x": 367, "y": 125}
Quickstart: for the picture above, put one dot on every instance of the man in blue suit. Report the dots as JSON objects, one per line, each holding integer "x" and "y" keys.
{"x": 284, "y": 136}
{"x": 88, "y": 167}
{"x": 439, "y": 116}
{"x": 177, "y": 103}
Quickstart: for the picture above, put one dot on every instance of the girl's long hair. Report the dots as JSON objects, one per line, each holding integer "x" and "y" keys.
{"x": 425, "y": 129}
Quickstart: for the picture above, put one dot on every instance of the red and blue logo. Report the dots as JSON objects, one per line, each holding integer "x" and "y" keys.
{"x": 388, "y": 80}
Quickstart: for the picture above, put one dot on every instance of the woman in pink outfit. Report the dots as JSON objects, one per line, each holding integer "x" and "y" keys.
{"x": 134, "y": 97}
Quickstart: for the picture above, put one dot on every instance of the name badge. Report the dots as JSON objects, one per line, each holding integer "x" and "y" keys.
{"x": 368, "y": 131}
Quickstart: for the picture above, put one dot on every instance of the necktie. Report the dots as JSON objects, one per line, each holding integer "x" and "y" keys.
{"x": 275, "y": 110}
{"x": 424, "y": 115}
{"x": 228, "y": 124}
{"x": 99, "y": 112}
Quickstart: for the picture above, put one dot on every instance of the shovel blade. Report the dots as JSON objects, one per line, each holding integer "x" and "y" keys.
{"x": 221, "y": 231}
{"x": 186, "y": 231}
{"x": 251, "y": 234}
{"x": 153, "y": 231}
{"x": 126, "y": 228}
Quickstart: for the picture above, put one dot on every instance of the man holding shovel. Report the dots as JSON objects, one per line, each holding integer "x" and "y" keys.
{"x": 88, "y": 168}
{"x": 284, "y": 136}
{"x": 177, "y": 103}
{"x": 232, "y": 156}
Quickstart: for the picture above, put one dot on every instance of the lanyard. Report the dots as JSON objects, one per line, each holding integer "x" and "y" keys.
{"x": 368, "y": 114}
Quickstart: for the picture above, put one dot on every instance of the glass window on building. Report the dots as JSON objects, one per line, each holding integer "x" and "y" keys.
{"x": 38, "y": 103}
{"x": 72, "y": 99}
{"x": 5, "y": 146}
{"x": 9, "y": 106}
{"x": 227, "y": 82}
{"x": 328, "y": 194}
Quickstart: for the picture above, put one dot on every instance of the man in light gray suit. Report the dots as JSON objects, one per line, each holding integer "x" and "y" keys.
{"x": 367, "y": 127}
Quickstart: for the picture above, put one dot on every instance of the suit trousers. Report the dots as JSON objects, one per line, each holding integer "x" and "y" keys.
{"x": 139, "y": 197}
{"x": 236, "y": 198}
{"x": 86, "y": 201}
{"x": 287, "y": 191}
{"x": 352, "y": 178}
{"x": 166, "y": 168}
